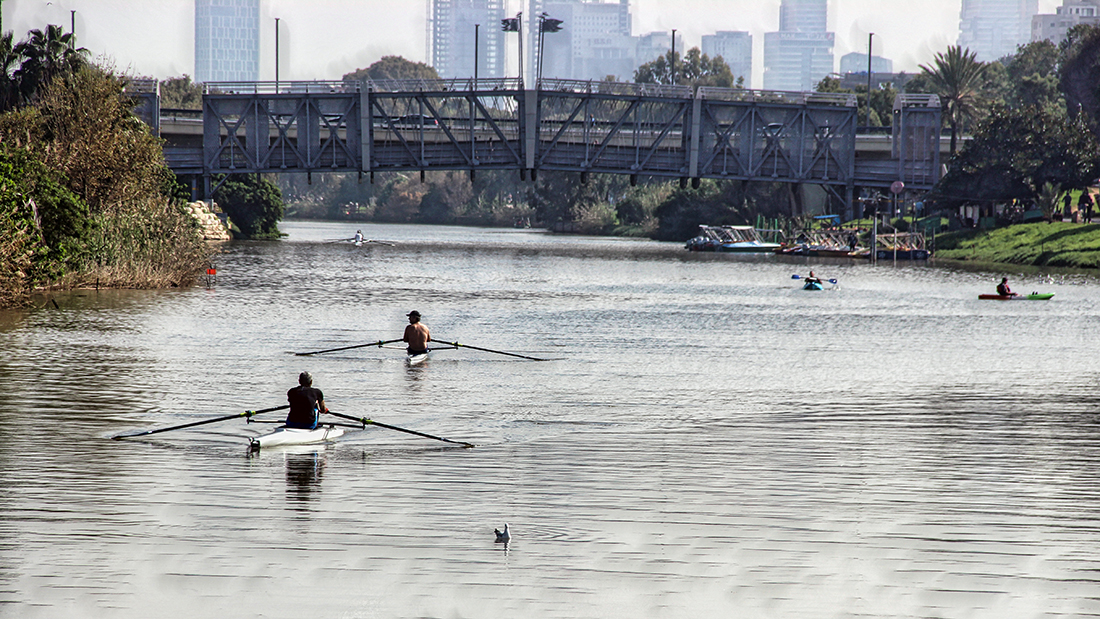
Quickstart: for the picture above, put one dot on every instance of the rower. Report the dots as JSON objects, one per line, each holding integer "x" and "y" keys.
{"x": 358, "y": 237}
{"x": 306, "y": 403}
{"x": 416, "y": 335}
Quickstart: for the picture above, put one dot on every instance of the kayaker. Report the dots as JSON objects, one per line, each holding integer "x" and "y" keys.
{"x": 416, "y": 335}
{"x": 306, "y": 403}
{"x": 813, "y": 279}
{"x": 1004, "y": 290}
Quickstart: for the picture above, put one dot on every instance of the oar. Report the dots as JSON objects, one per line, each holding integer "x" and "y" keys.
{"x": 370, "y": 422}
{"x": 797, "y": 276}
{"x": 381, "y": 242}
{"x": 245, "y": 414}
{"x": 499, "y": 352}
{"x": 379, "y": 344}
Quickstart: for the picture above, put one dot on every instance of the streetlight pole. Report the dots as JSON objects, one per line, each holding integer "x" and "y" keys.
{"x": 672, "y": 57}
{"x": 72, "y": 22}
{"x": 276, "y": 54}
{"x": 477, "y": 43}
{"x": 870, "y": 37}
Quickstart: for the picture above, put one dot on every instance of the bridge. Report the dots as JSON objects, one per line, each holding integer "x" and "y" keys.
{"x": 584, "y": 127}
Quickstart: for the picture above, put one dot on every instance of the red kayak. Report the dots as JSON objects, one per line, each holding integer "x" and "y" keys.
{"x": 1035, "y": 296}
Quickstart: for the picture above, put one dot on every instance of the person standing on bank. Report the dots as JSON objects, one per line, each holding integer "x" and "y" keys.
{"x": 416, "y": 335}
{"x": 306, "y": 403}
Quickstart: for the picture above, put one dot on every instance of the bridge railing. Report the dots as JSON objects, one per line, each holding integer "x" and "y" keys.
{"x": 445, "y": 85}
{"x": 269, "y": 88}
{"x": 743, "y": 95}
{"x": 622, "y": 89}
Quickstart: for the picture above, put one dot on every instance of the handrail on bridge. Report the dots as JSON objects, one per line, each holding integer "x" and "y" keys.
{"x": 296, "y": 88}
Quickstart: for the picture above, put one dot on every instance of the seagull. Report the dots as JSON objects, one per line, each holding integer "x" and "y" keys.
{"x": 503, "y": 536}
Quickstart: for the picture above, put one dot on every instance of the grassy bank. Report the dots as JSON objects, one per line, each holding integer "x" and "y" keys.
{"x": 1056, "y": 244}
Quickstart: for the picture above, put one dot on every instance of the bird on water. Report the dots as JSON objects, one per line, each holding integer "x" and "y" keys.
{"x": 503, "y": 536}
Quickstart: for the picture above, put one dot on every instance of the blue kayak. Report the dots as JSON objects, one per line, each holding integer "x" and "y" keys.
{"x": 813, "y": 286}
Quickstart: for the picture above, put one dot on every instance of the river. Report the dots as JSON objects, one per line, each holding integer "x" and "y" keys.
{"x": 705, "y": 439}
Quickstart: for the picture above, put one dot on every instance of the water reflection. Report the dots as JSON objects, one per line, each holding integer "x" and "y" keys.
{"x": 303, "y": 477}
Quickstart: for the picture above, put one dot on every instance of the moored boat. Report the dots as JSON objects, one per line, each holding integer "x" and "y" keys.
{"x": 296, "y": 436}
{"x": 1035, "y": 296}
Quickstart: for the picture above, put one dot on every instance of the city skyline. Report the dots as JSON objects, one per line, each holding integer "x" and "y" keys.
{"x": 323, "y": 39}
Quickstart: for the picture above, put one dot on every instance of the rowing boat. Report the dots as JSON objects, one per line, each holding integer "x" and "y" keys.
{"x": 1035, "y": 296}
{"x": 296, "y": 436}
{"x": 416, "y": 359}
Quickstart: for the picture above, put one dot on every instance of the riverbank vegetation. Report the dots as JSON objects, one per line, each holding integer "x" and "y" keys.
{"x": 85, "y": 197}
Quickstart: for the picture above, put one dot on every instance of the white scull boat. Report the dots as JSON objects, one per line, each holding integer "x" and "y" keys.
{"x": 296, "y": 436}
{"x": 416, "y": 359}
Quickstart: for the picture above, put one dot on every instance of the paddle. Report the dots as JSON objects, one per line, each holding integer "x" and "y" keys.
{"x": 245, "y": 414}
{"x": 499, "y": 352}
{"x": 797, "y": 276}
{"x": 366, "y": 422}
{"x": 379, "y": 344}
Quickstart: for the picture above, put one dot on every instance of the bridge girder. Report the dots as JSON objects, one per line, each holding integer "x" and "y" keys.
{"x": 571, "y": 126}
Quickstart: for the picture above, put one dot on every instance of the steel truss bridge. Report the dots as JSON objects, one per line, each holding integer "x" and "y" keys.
{"x": 564, "y": 125}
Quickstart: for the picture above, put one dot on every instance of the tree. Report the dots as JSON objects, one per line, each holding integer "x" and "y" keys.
{"x": 47, "y": 54}
{"x": 392, "y": 68}
{"x": 696, "y": 69}
{"x": 180, "y": 93}
{"x": 1032, "y": 76}
{"x": 1080, "y": 73}
{"x": 882, "y": 100}
{"x": 9, "y": 65}
{"x": 254, "y": 205}
{"x": 1015, "y": 152}
{"x": 956, "y": 76}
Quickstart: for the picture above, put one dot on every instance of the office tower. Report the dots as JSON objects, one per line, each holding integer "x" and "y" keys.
{"x": 453, "y": 25}
{"x": 800, "y": 54}
{"x": 227, "y": 40}
{"x": 652, "y": 46}
{"x": 856, "y": 62}
{"x": 993, "y": 29}
{"x": 1072, "y": 12}
{"x": 594, "y": 42}
{"x": 735, "y": 48}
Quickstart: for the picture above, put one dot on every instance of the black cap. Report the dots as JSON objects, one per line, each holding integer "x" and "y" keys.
{"x": 413, "y": 314}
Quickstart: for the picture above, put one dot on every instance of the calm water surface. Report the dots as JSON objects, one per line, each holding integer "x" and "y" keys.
{"x": 707, "y": 440}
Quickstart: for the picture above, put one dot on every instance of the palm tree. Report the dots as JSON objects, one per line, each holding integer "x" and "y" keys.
{"x": 47, "y": 54}
{"x": 9, "y": 64}
{"x": 957, "y": 76}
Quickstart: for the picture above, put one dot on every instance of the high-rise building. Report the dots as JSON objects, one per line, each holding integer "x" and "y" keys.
{"x": 993, "y": 29}
{"x": 457, "y": 27}
{"x": 1072, "y": 12}
{"x": 800, "y": 54}
{"x": 594, "y": 42}
{"x": 856, "y": 62}
{"x": 735, "y": 48}
{"x": 227, "y": 40}
{"x": 652, "y": 46}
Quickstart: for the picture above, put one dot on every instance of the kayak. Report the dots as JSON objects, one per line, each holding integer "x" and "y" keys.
{"x": 1035, "y": 296}
{"x": 416, "y": 359}
{"x": 296, "y": 436}
{"x": 813, "y": 286}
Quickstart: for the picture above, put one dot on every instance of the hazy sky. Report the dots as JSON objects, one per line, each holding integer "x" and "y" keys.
{"x": 323, "y": 39}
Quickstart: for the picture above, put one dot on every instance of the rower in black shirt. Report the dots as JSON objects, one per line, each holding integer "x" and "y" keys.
{"x": 306, "y": 403}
